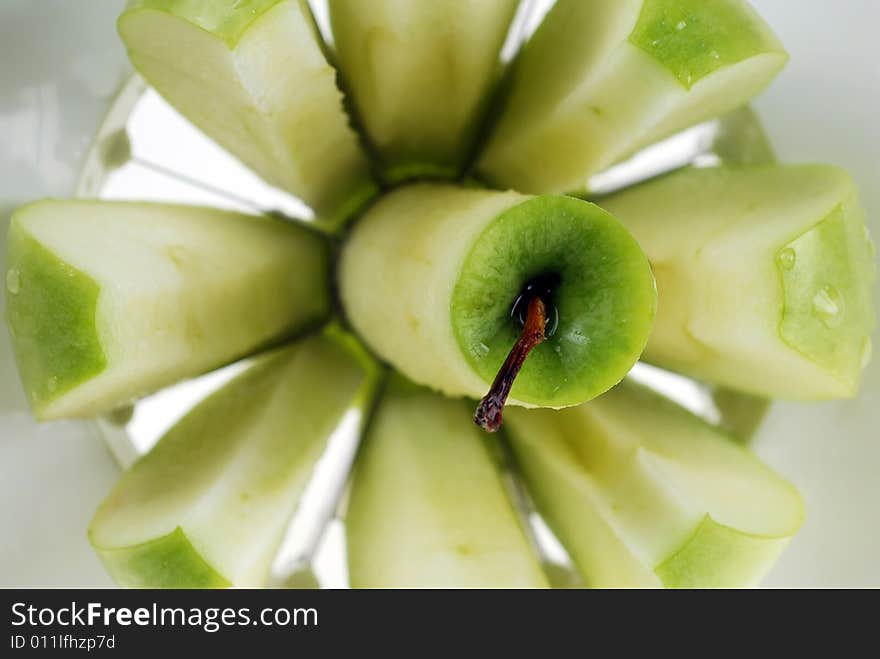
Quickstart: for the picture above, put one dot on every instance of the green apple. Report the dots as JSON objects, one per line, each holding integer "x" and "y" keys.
{"x": 428, "y": 507}
{"x": 420, "y": 75}
{"x": 644, "y": 494}
{"x": 109, "y": 301}
{"x": 601, "y": 79}
{"x": 431, "y": 274}
{"x": 764, "y": 277}
{"x": 252, "y": 75}
{"x": 209, "y": 505}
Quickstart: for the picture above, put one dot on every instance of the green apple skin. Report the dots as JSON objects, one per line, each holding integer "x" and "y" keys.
{"x": 644, "y": 494}
{"x": 169, "y": 561}
{"x": 420, "y": 75}
{"x": 109, "y": 301}
{"x": 601, "y": 79}
{"x": 209, "y": 505}
{"x": 428, "y": 507}
{"x": 253, "y": 76}
{"x": 764, "y": 277}
{"x": 430, "y": 273}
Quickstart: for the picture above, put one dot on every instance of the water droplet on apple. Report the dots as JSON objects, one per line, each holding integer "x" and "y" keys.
{"x": 681, "y": 25}
{"x": 866, "y": 352}
{"x": 872, "y": 250}
{"x": 13, "y": 281}
{"x": 483, "y": 348}
{"x": 52, "y": 384}
{"x": 828, "y": 306}
{"x": 715, "y": 54}
{"x": 786, "y": 258}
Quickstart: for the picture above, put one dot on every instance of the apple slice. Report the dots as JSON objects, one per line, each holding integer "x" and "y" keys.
{"x": 110, "y": 301}
{"x": 253, "y": 77}
{"x": 428, "y": 507}
{"x": 764, "y": 276}
{"x": 420, "y": 75}
{"x": 741, "y": 140}
{"x": 644, "y": 494}
{"x": 601, "y": 79}
{"x": 208, "y": 506}
{"x": 431, "y": 275}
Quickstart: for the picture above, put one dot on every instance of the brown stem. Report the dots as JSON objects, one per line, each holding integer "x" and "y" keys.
{"x": 488, "y": 415}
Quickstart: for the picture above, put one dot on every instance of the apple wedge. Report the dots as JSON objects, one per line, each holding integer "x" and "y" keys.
{"x": 644, "y": 494}
{"x": 110, "y": 301}
{"x": 428, "y": 507}
{"x": 764, "y": 276}
{"x": 252, "y": 75}
{"x": 420, "y": 75}
{"x": 209, "y": 505}
{"x": 431, "y": 275}
{"x": 601, "y": 79}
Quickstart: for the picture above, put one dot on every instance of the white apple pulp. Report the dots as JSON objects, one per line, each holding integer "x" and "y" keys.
{"x": 163, "y": 293}
{"x": 262, "y": 88}
{"x": 428, "y": 507}
{"x": 644, "y": 494}
{"x": 208, "y": 506}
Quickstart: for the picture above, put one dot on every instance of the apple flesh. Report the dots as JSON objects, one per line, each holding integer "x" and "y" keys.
{"x": 208, "y": 506}
{"x": 601, "y": 79}
{"x": 430, "y": 274}
{"x": 741, "y": 140}
{"x": 109, "y": 301}
{"x": 252, "y": 75}
{"x": 428, "y": 507}
{"x": 644, "y": 494}
{"x": 764, "y": 276}
{"x": 420, "y": 75}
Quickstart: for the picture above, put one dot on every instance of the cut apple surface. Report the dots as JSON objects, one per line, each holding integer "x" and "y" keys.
{"x": 741, "y": 140}
{"x": 110, "y": 301}
{"x": 644, "y": 494}
{"x": 428, "y": 507}
{"x": 601, "y": 79}
{"x": 209, "y": 505}
{"x": 420, "y": 75}
{"x": 431, "y": 274}
{"x": 253, "y": 76}
{"x": 764, "y": 276}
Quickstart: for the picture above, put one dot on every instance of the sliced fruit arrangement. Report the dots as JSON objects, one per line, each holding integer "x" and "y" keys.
{"x": 644, "y": 494}
{"x": 209, "y": 505}
{"x": 428, "y": 507}
{"x": 252, "y": 75}
{"x": 431, "y": 275}
{"x": 764, "y": 276}
{"x": 420, "y": 75}
{"x": 110, "y": 301}
{"x": 601, "y": 79}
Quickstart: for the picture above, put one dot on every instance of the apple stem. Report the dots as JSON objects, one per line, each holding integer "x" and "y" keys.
{"x": 490, "y": 409}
